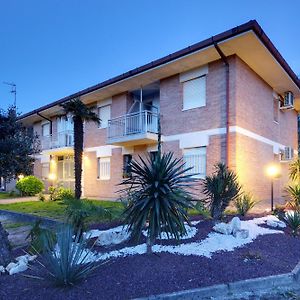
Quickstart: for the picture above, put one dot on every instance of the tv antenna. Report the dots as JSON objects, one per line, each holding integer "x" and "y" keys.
{"x": 13, "y": 90}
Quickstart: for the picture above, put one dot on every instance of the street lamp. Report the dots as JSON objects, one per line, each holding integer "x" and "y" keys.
{"x": 52, "y": 178}
{"x": 273, "y": 171}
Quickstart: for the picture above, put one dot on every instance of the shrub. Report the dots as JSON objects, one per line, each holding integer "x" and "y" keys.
{"x": 292, "y": 219}
{"x": 68, "y": 263}
{"x": 60, "y": 193}
{"x": 158, "y": 196}
{"x": 294, "y": 170}
{"x": 41, "y": 197}
{"x": 244, "y": 203}
{"x": 30, "y": 186}
{"x": 220, "y": 189}
{"x": 79, "y": 210}
{"x": 293, "y": 192}
{"x": 279, "y": 211}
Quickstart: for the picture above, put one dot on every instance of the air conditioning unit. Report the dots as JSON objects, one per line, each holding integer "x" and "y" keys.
{"x": 288, "y": 101}
{"x": 287, "y": 154}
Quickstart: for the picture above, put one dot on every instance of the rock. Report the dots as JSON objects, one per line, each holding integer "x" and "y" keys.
{"x": 276, "y": 223}
{"x": 223, "y": 228}
{"x": 2, "y": 269}
{"x": 10, "y": 266}
{"x": 241, "y": 233}
{"x": 235, "y": 224}
{"x": 23, "y": 259}
{"x": 19, "y": 267}
{"x": 113, "y": 236}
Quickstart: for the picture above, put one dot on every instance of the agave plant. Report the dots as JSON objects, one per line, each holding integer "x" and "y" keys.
{"x": 294, "y": 169}
{"x": 70, "y": 261}
{"x": 244, "y": 203}
{"x": 293, "y": 193}
{"x": 220, "y": 189}
{"x": 292, "y": 219}
{"x": 159, "y": 195}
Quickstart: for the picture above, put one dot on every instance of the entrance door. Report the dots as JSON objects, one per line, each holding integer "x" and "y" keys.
{"x": 65, "y": 171}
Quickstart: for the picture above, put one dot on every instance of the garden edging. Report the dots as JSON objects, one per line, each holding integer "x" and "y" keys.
{"x": 255, "y": 286}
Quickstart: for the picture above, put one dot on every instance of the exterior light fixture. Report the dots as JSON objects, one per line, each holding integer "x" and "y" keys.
{"x": 273, "y": 172}
{"x": 21, "y": 176}
{"x": 52, "y": 176}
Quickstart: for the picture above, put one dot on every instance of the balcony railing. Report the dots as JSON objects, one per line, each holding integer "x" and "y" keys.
{"x": 59, "y": 140}
{"x": 130, "y": 125}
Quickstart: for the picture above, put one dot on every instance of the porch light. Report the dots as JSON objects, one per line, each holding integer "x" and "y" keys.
{"x": 21, "y": 176}
{"x": 273, "y": 172}
{"x": 52, "y": 176}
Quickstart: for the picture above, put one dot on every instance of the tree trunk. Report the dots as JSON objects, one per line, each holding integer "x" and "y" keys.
{"x": 5, "y": 254}
{"x": 78, "y": 150}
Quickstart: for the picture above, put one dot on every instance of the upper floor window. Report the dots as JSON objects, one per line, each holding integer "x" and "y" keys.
{"x": 103, "y": 168}
{"x": 104, "y": 113}
{"x": 195, "y": 158}
{"x": 194, "y": 93}
{"x": 46, "y": 129}
{"x": 276, "y": 109}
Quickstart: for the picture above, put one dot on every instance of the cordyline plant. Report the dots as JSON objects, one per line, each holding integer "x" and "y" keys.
{"x": 159, "y": 195}
{"x": 220, "y": 189}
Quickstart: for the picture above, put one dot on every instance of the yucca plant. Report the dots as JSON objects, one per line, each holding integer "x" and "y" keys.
{"x": 244, "y": 203}
{"x": 220, "y": 189}
{"x": 79, "y": 210}
{"x": 294, "y": 170}
{"x": 159, "y": 195}
{"x": 68, "y": 263}
{"x": 293, "y": 193}
{"x": 292, "y": 219}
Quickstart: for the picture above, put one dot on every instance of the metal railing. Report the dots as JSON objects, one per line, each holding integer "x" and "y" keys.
{"x": 131, "y": 124}
{"x": 59, "y": 140}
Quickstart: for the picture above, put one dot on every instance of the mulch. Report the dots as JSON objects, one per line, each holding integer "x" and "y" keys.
{"x": 150, "y": 274}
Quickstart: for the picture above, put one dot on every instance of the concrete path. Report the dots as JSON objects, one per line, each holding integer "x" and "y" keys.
{"x": 18, "y": 200}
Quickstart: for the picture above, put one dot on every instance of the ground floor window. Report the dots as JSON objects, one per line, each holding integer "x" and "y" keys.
{"x": 195, "y": 158}
{"x": 45, "y": 171}
{"x": 127, "y": 158}
{"x": 103, "y": 168}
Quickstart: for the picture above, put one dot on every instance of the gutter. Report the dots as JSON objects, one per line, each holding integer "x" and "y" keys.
{"x": 226, "y": 64}
{"x": 47, "y": 120}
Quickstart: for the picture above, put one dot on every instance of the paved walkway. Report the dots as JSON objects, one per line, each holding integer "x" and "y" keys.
{"x": 18, "y": 200}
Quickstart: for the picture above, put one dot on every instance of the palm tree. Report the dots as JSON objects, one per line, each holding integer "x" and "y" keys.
{"x": 81, "y": 113}
{"x": 295, "y": 170}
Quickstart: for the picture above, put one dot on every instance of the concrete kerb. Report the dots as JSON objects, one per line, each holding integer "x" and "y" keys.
{"x": 255, "y": 286}
{"x": 29, "y": 218}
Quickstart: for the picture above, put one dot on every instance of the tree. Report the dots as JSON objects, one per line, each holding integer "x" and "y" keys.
{"x": 5, "y": 254}
{"x": 17, "y": 146}
{"x": 80, "y": 113}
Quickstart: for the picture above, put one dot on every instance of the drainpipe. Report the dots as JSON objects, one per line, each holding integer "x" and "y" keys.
{"x": 47, "y": 120}
{"x": 226, "y": 64}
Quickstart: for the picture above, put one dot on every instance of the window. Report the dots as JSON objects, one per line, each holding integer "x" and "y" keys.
{"x": 127, "y": 158}
{"x": 153, "y": 154}
{"x": 195, "y": 158}
{"x": 194, "y": 93}
{"x": 104, "y": 115}
{"x": 46, "y": 129}
{"x": 103, "y": 168}
{"x": 276, "y": 109}
{"x": 45, "y": 171}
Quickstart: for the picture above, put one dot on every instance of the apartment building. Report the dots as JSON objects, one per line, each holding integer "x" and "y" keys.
{"x": 230, "y": 98}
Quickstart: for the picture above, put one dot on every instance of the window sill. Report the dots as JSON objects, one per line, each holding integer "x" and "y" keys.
{"x": 186, "y": 109}
{"x": 103, "y": 179}
{"x": 276, "y": 122}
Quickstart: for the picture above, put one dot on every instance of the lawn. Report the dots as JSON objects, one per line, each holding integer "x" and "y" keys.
{"x": 56, "y": 209}
{"x": 4, "y": 195}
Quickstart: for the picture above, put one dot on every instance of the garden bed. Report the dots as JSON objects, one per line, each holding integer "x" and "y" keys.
{"x": 147, "y": 274}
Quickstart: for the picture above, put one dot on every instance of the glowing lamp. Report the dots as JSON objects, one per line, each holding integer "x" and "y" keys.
{"x": 52, "y": 176}
{"x": 21, "y": 176}
{"x": 273, "y": 171}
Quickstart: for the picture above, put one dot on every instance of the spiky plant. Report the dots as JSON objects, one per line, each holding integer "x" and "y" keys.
{"x": 80, "y": 113}
{"x": 159, "y": 193}
{"x": 294, "y": 170}
{"x": 292, "y": 219}
{"x": 69, "y": 262}
{"x": 293, "y": 193}
{"x": 244, "y": 203}
{"x": 220, "y": 189}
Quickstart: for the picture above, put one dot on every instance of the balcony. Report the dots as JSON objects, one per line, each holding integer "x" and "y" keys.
{"x": 133, "y": 129}
{"x": 61, "y": 142}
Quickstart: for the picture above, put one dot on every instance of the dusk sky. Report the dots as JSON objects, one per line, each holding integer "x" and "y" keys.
{"x": 52, "y": 49}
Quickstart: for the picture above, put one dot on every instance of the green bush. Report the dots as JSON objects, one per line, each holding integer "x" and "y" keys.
{"x": 292, "y": 219}
{"x": 293, "y": 193}
{"x": 244, "y": 203}
{"x": 67, "y": 263}
{"x": 60, "y": 193}
{"x": 30, "y": 186}
{"x": 220, "y": 189}
{"x": 41, "y": 197}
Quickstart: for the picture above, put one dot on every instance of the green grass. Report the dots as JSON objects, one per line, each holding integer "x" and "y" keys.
{"x": 4, "y": 195}
{"x": 56, "y": 209}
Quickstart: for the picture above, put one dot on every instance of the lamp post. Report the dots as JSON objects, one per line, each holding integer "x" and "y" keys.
{"x": 273, "y": 171}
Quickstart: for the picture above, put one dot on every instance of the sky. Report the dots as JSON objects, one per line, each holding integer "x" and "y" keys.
{"x": 53, "y": 48}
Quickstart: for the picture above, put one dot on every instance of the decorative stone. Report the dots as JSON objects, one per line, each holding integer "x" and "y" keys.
{"x": 113, "y": 236}
{"x": 10, "y": 266}
{"x": 223, "y": 228}
{"x": 19, "y": 267}
{"x": 276, "y": 223}
{"x": 235, "y": 224}
{"x": 241, "y": 233}
{"x": 2, "y": 269}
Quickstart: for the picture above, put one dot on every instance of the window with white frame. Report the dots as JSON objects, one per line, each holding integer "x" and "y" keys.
{"x": 195, "y": 158}
{"x": 194, "y": 93}
{"x": 46, "y": 129}
{"x": 104, "y": 115}
{"x": 103, "y": 168}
